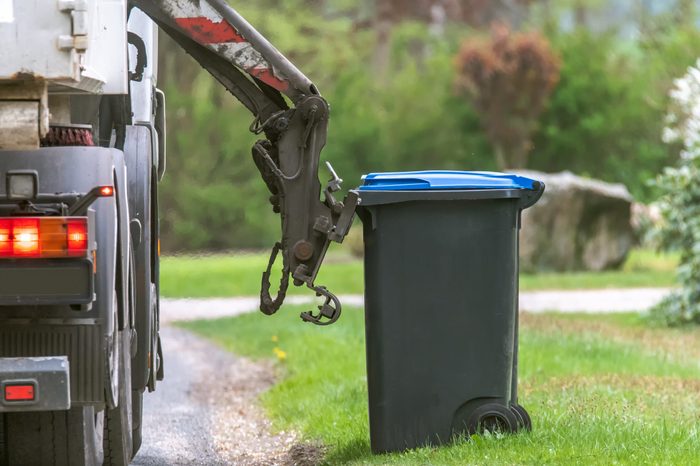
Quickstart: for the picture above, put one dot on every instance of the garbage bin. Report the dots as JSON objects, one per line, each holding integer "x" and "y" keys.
{"x": 441, "y": 304}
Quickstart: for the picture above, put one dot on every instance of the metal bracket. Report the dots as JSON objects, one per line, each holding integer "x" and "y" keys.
{"x": 68, "y": 5}
{"x": 79, "y": 25}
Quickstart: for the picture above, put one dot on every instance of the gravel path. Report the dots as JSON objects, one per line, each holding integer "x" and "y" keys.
{"x": 205, "y": 412}
{"x": 594, "y": 301}
{"x": 598, "y": 301}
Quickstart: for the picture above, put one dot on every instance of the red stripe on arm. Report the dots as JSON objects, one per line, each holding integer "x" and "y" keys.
{"x": 205, "y": 31}
{"x": 267, "y": 76}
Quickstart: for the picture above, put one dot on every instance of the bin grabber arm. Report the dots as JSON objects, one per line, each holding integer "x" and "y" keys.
{"x": 308, "y": 224}
{"x": 330, "y": 309}
{"x": 258, "y": 75}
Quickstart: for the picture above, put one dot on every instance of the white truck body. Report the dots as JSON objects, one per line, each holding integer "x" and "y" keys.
{"x": 88, "y": 51}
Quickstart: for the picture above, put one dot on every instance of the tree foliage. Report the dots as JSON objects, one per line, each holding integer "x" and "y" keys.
{"x": 606, "y": 116}
{"x": 508, "y": 79}
{"x": 603, "y": 119}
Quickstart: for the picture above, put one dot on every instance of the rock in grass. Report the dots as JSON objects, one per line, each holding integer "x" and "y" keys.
{"x": 579, "y": 224}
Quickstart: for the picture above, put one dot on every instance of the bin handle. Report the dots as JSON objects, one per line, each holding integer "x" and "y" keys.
{"x": 532, "y": 196}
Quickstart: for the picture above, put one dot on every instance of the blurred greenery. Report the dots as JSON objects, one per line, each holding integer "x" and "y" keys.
{"x": 219, "y": 275}
{"x": 604, "y": 119}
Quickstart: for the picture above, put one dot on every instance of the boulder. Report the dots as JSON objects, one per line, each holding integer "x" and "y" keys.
{"x": 579, "y": 224}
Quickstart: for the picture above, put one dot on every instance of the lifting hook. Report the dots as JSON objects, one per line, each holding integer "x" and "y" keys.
{"x": 330, "y": 309}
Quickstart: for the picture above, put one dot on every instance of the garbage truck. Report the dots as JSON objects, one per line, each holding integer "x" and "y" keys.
{"x": 82, "y": 150}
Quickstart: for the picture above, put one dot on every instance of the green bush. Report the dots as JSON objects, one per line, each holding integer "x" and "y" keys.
{"x": 680, "y": 206}
{"x": 605, "y": 118}
{"x": 680, "y": 202}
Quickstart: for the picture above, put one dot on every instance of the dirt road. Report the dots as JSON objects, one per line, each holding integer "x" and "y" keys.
{"x": 205, "y": 412}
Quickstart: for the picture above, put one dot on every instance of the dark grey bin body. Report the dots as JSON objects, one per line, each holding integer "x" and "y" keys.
{"x": 441, "y": 299}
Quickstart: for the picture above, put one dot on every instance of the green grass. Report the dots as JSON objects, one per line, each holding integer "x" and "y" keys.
{"x": 601, "y": 390}
{"x": 239, "y": 275}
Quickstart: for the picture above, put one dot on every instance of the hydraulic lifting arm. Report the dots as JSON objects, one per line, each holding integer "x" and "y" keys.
{"x": 258, "y": 75}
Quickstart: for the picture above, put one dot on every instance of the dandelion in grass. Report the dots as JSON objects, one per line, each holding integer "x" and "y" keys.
{"x": 281, "y": 355}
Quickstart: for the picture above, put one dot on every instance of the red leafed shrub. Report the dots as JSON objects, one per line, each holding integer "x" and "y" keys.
{"x": 508, "y": 79}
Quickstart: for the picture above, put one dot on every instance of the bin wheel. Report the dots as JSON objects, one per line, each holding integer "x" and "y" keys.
{"x": 524, "y": 421}
{"x": 492, "y": 417}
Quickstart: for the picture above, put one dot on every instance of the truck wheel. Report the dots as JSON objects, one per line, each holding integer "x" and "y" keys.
{"x": 61, "y": 438}
{"x": 118, "y": 446}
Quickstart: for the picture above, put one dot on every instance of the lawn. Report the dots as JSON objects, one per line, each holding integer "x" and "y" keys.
{"x": 239, "y": 275}
{"x": 601, "y": 390}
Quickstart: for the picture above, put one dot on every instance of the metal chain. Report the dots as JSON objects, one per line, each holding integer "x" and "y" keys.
{"x": 269, "y": 306}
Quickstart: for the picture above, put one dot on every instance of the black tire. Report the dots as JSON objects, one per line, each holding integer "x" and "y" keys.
{"x": 118, "y": 446}
{"x": 492, "y": 417}
{"x": 60, "y": 438}
{"x": 524, "y": 420}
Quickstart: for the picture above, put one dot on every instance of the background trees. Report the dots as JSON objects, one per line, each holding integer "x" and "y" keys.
{"x": 395, "y": 107}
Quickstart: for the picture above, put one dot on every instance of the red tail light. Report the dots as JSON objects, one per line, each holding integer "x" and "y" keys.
{"x": 25, "y": 232}
{"x": 24, "y": 392}
{"x": 43, "y": 237}
{"x": 5, "y": 234}
{"x": 77, "y": 236}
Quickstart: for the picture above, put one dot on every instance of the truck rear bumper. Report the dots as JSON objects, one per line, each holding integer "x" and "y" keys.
{"x": 51, "y": 281}
{"x": 34, "y": 384}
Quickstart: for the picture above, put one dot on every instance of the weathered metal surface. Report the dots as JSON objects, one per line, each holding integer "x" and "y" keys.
{"x": 19, "y": 125}
{"x": 218, "y": 27}
{"x": 48, "y": 375}
{"x": 30, "y": 43}
{"x": 202, "y": 23}
{"x": 60, "y": 110}
{"x": 24, "y": 114}
{"x": 64, "y": 42}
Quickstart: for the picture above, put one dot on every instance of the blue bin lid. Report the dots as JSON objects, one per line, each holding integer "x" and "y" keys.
{"x": 443, "y": 179}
